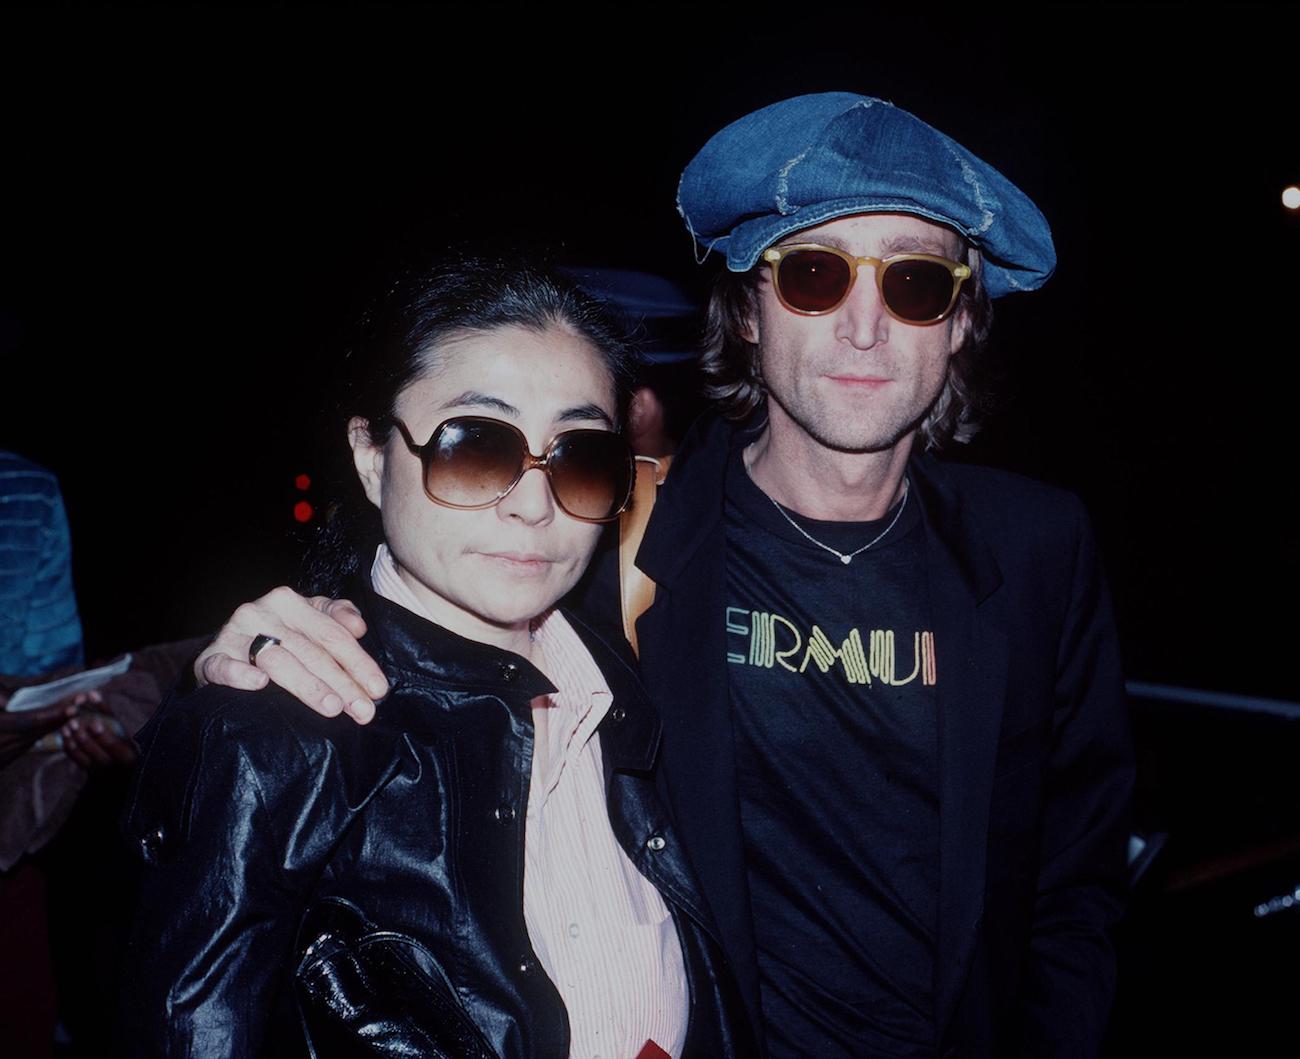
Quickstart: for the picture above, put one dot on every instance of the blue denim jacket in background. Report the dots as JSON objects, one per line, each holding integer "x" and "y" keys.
{"x": 40, "y": 629}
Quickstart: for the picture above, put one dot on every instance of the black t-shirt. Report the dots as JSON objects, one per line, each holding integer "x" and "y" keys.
{"x": 832, "y": 672}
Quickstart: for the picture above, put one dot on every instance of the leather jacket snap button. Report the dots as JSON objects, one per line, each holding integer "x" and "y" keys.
{"x": 617, "y": 714}
{"x": 525, "y": 965}
{"x": 505, "y": 813}
{"x": 509, "y": 672}
{"x": 655, "y": 843}
{"x": 151, "y": 844}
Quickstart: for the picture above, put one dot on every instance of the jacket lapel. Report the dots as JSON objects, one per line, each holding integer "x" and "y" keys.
{"x": 972, "y": 673}
{"x": 683, "y": 656}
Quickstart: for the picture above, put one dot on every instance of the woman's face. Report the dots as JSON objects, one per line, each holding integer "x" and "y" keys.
{"x": 486, "y": 573}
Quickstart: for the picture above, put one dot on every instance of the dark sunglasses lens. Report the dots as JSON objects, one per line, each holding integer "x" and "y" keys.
{"x": 919, "y": 291}
{"x": 472, "y": 462}
{"x": 813, "y": 280}
{"x": 591, "y": 474}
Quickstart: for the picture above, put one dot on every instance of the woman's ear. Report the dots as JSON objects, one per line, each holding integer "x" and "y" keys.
{"x": 368, "y": 458}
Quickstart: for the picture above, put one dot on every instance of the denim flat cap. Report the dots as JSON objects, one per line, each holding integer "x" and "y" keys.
{"x": 813, "y": 158}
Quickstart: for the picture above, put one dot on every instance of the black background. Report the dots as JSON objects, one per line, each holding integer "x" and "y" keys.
{"x": 192, "y": 196}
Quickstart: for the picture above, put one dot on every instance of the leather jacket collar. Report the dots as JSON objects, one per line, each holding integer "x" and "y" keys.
{"x": 415, "y": 651}
{"x": 422, "y": 652}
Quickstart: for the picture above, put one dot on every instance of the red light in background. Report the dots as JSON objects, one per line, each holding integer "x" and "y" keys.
{"x": 303, "y": 482}
{"x": 303, "y": 511}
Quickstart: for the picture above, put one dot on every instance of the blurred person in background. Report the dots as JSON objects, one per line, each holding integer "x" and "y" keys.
{"x": 59, "y": 944}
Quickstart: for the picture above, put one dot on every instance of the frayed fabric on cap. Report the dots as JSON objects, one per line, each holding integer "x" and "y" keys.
{"x": 813, "y": 158}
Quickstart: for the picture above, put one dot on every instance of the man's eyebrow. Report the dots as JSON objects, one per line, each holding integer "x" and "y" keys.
{"x": 581, "y": 412}
{"x": 913, "y": 244}
{"x": 803, "y": 239}
{"x": 899, "y": 244}
{"x": 474, "y": 399}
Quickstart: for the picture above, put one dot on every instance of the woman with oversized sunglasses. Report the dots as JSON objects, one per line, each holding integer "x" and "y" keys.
{"x": 485, "y": 870}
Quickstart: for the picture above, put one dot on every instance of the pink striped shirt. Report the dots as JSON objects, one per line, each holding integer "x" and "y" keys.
{"x": 599, "y": 927}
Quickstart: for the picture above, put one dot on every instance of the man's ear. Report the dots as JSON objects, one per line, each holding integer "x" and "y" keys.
{"x": 749, "y": 332}
{"x": 368, "y": 458}
{"x": 961, "y": 318}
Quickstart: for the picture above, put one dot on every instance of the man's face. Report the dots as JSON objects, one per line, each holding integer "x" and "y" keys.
{"x": 856, "y": 379}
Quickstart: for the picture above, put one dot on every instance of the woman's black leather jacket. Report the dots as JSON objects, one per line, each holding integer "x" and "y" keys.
{"x": 365, "y": 884}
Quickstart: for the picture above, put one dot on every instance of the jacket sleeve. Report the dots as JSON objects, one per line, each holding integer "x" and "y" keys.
{"x": 1082, "y": 878}
{"x": 212, "y": 942}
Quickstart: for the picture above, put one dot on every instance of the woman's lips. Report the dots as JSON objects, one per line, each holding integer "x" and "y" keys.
{"x": 519, "y": 562}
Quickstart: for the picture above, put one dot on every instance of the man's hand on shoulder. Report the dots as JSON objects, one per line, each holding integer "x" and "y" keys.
{"x": 317, "y": 659}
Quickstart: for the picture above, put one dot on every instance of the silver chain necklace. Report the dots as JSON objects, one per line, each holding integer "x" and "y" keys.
{"x": 847, "y": 557}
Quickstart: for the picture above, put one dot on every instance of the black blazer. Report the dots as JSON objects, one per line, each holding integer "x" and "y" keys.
{"x": 1035, "y": 762}
{"x": 251, "y": 811}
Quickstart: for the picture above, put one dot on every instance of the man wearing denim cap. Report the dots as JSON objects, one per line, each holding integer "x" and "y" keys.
{"x": 905, "y": 788}
{"x": 894, "y": 735}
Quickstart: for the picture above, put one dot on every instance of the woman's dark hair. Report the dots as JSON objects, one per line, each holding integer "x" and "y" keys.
{"x": 397, "y": 340}
{"x": 733, "y": 374}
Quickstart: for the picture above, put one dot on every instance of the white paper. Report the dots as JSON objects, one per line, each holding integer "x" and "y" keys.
{"x": 37, "y": 695}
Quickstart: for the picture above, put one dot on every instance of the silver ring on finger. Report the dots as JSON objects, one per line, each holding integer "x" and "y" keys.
{"x": 260, "y": 642}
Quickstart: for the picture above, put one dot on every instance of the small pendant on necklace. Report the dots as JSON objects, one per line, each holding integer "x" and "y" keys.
{"x": 846, "y": 559}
